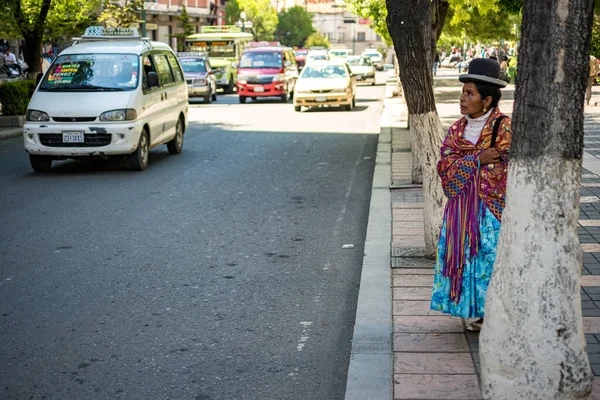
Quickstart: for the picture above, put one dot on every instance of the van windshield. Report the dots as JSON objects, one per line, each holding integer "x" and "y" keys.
{"x": 266, "y": 59}
{"x": 92, "y": 72}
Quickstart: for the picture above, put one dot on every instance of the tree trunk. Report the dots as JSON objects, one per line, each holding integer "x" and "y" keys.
{"x": 32, "y": 32}
{"x": 417, "y": 165}
{"x": 532, "y": 342}
{"x": 32, "y": 55}
{"x": 408, "y": 23}
{"x": 439, "y": 9}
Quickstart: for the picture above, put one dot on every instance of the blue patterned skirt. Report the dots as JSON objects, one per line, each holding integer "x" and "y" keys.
{"x": 476, "y": 272}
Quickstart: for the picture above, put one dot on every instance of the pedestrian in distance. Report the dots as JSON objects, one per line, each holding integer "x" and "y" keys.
{"x": 594, "y": 70}
{"x": 473, "y": 170}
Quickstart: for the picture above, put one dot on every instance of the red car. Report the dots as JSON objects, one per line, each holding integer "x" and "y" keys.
{"x": 267, "y": 72}
{"x": 300, "y": 55}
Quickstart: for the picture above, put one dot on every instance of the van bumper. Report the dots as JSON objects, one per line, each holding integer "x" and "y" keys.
{"x": 257, "y": 90}
{"x": 99, "y": 140}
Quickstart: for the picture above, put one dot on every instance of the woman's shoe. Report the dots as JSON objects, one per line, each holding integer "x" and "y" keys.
{"x": 475, "y": 326}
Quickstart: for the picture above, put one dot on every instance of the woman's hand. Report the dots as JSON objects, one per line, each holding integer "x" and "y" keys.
{"x": 489, "y": 156}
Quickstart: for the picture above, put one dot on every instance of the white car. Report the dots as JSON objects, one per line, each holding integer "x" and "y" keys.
{"x": 111, "y": 93}
{"x": 376, "y": 58}
{"x": 362, "y": 68}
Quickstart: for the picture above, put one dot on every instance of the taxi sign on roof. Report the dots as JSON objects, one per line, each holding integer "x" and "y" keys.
{"x": 100, "y": 32}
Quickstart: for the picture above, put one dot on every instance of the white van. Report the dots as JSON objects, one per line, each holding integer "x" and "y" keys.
{"x": 110, "y": 93}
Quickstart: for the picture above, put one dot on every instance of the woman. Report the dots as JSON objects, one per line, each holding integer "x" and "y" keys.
{"x": 473, "y": 173}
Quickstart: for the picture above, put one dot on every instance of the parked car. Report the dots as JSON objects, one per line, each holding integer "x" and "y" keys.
{"x": 267, "y": 72}
{"x": 325, "y": 83}
{"x": 111, "y": 93}
{"x": 199, "y": 76}
{"x": 376, "y": 58}
{"x": 363, "y": 68}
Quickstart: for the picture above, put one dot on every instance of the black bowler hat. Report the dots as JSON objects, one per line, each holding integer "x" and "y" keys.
{"x": 484, "y": 70}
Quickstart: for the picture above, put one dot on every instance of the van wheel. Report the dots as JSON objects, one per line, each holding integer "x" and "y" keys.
{"x": 139, "y": 159}
{"x": 207, "y": 99}
{"x": 297, "y": 108}
{"x": 176, "y": 144}
{"x": 242, "y": 99}
{"x": 214, "y": 96}
{"x": 230, "y": 86}
{"x": 348, "y": 107}
{"x": 40, "y": 163}
{"x": 283, "y": 98}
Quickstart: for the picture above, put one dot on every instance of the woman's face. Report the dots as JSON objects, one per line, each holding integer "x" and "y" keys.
{"x": 471, "y": 103}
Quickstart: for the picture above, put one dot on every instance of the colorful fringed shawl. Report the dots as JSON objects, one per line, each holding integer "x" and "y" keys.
{"x": 465, "y": 183}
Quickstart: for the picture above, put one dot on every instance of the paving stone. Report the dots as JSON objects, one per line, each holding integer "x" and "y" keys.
{"x": 593, "y": 348}
{"x": 408, "y": 241}
{"x": 588, "y": 305}
{"x": 591, "y": 338}
{"x": 591, "y": 312}
{"x": 427, "y": 342}
{"x": 589, "y": 281}
{"x": 591, "y": 325}
{"x": 433, "y": 363}
{"x": 596, "y": 369}
{"x": 414, "y": 281}
{"x": 457, "y": 387}
{"x": 590, "y": 247}
{"x": 409, "y": 205}
{"x": 589, "y": 289}
{"x": 413, "y": 271}
{"x": 413, "y": 307}
{"x": 433, "y": 324}
{"x": 405, "y": 262}
{"x": 417, "y": 231}
{"x": 413, "y": 293}
{"x": 417, "y": 252}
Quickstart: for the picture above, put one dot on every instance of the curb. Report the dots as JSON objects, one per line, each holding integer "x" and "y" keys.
{"x": 8, "y": 133}
{"x": 371, "y": 360}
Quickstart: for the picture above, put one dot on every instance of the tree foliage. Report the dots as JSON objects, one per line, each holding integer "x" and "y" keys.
{"x": 115, "y": 14}
{"x": 317, "y": 39}
{"x": 185, "y": 25}
{"x": 376, "y": 12}
{"x": 294, "y": 27}
{"x": 260, "y": 12}
{"x": 492, "y": 26}
{"x": 232, "y": 12}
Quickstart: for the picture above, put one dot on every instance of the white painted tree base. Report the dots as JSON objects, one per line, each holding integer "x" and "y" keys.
{"x": 427, "y": 130}
{"x": 532, "y": 341}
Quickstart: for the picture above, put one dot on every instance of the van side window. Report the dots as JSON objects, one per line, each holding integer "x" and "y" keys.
{"x": 175, "y": 68}
{"x": 148, "y": 66}
{"x": 164, "y": 71}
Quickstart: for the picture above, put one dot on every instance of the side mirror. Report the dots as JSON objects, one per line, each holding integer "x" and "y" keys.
{"x": 152, "y": 80}
{"x": 38, "y": 78}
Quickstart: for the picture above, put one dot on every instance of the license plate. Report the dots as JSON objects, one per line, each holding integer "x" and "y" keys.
{"x": 259, "y": 89}
{"x": 73, "y": 137}
{"x": 321, "y": 99}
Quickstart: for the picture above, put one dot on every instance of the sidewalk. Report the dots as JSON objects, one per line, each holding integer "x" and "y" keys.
{"x": 7, "y": 133}
{"x": 434, "y": 356}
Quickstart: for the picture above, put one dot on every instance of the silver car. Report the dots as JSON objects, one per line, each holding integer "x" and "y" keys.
{"x": 199, "y": 75}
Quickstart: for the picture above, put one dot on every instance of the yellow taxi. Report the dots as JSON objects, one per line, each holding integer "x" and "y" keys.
{"x": 325, "y": 83}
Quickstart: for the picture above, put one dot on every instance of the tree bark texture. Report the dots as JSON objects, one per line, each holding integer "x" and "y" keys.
{"x": 532, "y": 342}
{"x": 439, "y": 9}
{"x": 409, "y": 25}
{"x": 417, "y": 165}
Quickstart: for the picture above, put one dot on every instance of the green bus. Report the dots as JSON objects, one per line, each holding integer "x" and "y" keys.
{"x": 224, "y": 46}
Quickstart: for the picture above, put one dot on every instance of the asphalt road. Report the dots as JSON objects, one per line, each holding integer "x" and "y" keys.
{"x": 215, "y": 274}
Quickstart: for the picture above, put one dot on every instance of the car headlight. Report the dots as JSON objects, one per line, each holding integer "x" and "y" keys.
{"x": 128, "y": 114}
{"x": 243, "y": 79}
{"x": 348, "y": 90}
{"x": 279, "y": 78}
{"x": 37, "y": 116}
